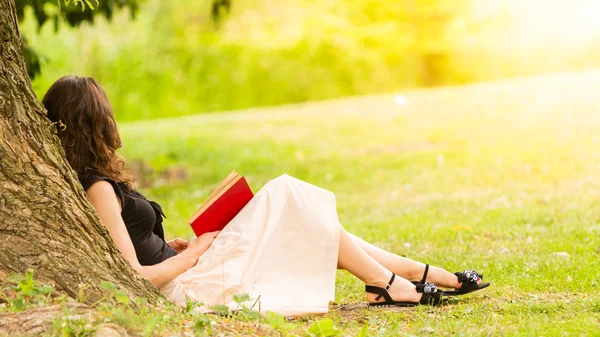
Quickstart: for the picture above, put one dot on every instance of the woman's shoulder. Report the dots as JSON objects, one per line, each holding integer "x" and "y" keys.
{"x": 91, "y": 177}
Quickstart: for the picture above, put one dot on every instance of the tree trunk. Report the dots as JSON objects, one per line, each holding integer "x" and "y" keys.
{"x": 46, "y": 222}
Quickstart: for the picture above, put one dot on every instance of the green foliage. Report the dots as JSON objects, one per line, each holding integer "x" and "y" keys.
{"x": 221, "y": 309}
{"x": 152, "y": 325}
{"x": 202, "y": 325}
{"x": 190, "y": 305}
{"x": 246, "y": 312}
{"x": 72, "y": 11}
{"x": 242, "y": 309}
{"x": 177, "y": 63}
{"x": 121, "y": 309}
{"x": 107, "y": 285}
{"x": 26, "y": 291}
{"x": 364, "y": 332}
{"x": 171, "y": 61}
{"x": 241, "y": 298}
{"x": 323, "y": 328}
{"x": 71, "y": 324}
{"x": 32, "y": 59}
{"x": 279, "y": 324}
{"x": 249, "y": 313}
{"x": 119, "y": 296}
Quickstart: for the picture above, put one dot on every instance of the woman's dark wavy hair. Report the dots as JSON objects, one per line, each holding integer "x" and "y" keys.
{"x": 87, "y": 128}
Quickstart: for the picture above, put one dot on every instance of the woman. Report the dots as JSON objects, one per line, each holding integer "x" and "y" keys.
{"x": 282, "y": 249}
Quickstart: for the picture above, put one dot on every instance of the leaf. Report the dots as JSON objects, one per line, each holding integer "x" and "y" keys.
{"x": 122, "y": 297}
{"x": 90, "y": 4}
{"x": 27, "y": 287}
{"x": 189, "y": 306}
{"x": 364, "y": 332}
{"x": 323, "y": 328}
{"x": 108, "y": 286}
{"x": 140, "y": 301}
{"x": 275, "y": 320}
{"x": 253, "y": 314}
{"x": 203, "y": 323}
{"x": 18, "y": 304}
{"x": 221, "y": 309}
{"x": 241, "y": 298}
{"x": 16, "y": 278}
{"x": 151, "y": 325}
{"x": 44, "y": 289}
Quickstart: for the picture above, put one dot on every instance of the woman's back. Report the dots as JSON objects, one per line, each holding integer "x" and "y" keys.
{"x": 143, "y": 219}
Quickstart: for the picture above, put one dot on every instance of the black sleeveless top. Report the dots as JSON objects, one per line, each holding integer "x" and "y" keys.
{"x": 143, "y": 219}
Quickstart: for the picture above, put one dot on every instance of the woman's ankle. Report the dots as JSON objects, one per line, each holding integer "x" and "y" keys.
{"x": 381, "y": 280}
{"x": 438, "y": 276}
{"x": 446, "y": 279}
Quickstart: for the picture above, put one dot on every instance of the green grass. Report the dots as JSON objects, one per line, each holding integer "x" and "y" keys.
{"x": 499, "y": 177}
{"x": 502, "y": 177}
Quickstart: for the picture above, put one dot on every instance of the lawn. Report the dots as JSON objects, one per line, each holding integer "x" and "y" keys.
{"x": 501, "y": 177}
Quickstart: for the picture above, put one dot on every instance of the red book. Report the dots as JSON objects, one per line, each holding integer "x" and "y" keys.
{"x": 222, "y": 205}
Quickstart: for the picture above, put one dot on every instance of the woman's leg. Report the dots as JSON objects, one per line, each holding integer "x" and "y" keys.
{"x": 355, "y": 260}
{"x": 407, "y": 268}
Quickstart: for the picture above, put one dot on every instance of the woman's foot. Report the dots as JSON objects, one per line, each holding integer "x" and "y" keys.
{"x": 400, "y": 290}
{"x": 441, "y": 278}
{"x": 461, "y": 283}
{"x": 469, "y": 281}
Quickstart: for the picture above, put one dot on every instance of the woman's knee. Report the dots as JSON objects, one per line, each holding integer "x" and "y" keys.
{"x": 283, "y": 179}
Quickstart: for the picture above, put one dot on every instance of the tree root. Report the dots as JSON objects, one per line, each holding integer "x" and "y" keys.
{"x": 38, "y": 320}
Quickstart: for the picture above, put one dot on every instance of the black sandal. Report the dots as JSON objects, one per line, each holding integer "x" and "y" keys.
{"x": 430, "y": 296}
{"x": 424, "y": 279}
{"x": 469, "y": 279}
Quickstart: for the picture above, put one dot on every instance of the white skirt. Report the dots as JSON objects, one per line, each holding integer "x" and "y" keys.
{"x": 281, "y": 249}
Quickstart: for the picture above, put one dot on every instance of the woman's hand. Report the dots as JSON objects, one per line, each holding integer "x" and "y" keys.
{"x": 197, "y": 246}
{"x": 178, "y": 244}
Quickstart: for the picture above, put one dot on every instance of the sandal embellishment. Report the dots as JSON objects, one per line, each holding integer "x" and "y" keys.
{"x": 471, "y": 276}
{"x": 429, "y": 288}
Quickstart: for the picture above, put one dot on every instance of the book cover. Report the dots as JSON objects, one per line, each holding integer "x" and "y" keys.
{"x": 222, "y": 205}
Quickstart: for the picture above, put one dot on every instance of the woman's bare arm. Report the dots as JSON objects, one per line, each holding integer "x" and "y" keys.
{"x": 106, "y": 203}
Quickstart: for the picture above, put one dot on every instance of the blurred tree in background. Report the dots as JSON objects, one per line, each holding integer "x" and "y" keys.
{"x": 178, "y": 58}
{"x": 219, "y": 9}
{"x": 71, "y": 12}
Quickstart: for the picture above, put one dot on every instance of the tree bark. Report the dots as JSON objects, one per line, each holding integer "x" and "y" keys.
{"x": 46, "y": 222}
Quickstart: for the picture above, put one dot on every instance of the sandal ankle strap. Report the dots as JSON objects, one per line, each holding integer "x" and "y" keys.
{"x": 382, "y": 292}
{"x": 425, "y": 273}
{"x": 389, "y": 284}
